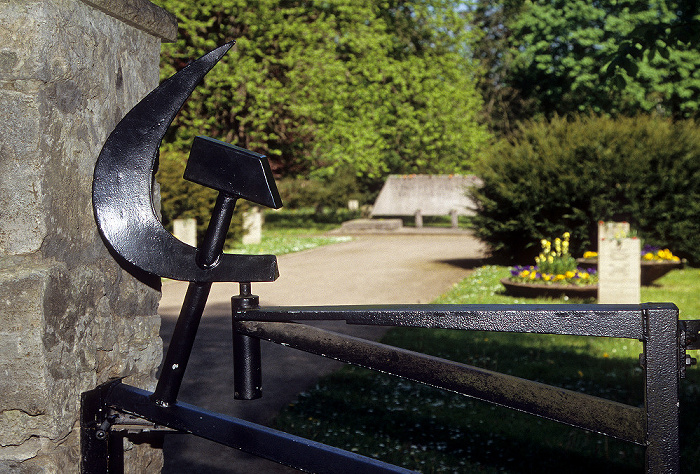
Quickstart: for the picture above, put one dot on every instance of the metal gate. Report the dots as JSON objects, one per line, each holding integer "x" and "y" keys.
{"x": 128, "y": 224}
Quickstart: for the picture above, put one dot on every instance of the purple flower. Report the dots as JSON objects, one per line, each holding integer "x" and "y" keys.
{"x": 650, "y": 249}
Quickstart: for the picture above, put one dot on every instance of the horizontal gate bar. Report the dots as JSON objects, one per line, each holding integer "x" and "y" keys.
{"x": 252, "y": 438}
{"x": 625, "y": 321}
{"x": 573, "y": 408}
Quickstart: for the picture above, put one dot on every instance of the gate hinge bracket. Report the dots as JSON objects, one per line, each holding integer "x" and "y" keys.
{"x": 133, "y": 424}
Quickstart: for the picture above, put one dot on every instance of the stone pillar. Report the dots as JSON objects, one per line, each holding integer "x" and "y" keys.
{"x": 252, "y": 226}
{"x": 418, "y": 218}
{"x": 186, "y": 231}
{"x": 70, "y": 317}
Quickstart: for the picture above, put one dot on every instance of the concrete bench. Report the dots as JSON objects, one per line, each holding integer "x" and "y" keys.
{"x": 426, "y": 195}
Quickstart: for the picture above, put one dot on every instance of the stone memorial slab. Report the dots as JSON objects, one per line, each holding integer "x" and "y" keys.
{"x": 185, "y": 230}
{"x": 619, "y": 271}
{"x": 425, "y": 195}
{"x": 252, "y": 226}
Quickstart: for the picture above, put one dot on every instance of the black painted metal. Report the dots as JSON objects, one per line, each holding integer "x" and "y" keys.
{"x": 233, "y": 170}
{"x": 185, "y": 331}
{"x": 661, "y": 367}
{"x": 565, "y": 406}
{"x": 255, "y": 439}
{"x": 101, "y": 451}
{"x": 122, "y": 189}
{"x": 181, "y": 343}
{"x": 624, "y": 321}
{"x": 247, "y": 369}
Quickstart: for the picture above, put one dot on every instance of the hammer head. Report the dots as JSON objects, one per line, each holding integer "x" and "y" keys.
{"x": 233, "y": 170}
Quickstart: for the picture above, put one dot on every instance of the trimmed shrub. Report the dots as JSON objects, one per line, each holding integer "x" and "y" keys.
{"x": 566, "y": 175}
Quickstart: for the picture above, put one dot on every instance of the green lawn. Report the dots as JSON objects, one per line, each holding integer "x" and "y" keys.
{"x": 430, "y": 430}
{"x": 288, "y": 231}
{"x": 282, "y": 241}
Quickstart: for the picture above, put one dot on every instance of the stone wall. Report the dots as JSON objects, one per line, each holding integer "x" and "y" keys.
{"x": 70, "y": 317}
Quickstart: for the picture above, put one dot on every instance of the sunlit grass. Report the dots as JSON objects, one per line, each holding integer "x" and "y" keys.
{"x": 423, "y": 428}
{"x": 281, "y": 241}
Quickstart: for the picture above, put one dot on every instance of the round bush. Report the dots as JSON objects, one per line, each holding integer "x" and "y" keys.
{"x": 566, "y": 175}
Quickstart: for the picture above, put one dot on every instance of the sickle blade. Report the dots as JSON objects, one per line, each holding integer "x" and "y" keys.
{"x": 122, "y": 190}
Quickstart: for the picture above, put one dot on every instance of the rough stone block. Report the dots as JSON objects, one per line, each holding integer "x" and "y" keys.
{"x": 70, "y": 317}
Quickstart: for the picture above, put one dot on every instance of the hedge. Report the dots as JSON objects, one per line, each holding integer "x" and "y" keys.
{"x": 566, "y": 175}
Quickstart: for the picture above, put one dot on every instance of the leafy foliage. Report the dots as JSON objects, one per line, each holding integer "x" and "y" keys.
{"x": 566, "y": 175}
{"x": 547, "y": 57}
{"x": 504, "y": 104}
{"x": 377, "y": 87}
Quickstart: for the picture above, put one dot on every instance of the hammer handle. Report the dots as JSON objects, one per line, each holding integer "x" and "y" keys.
{"x": 183, "y": 337}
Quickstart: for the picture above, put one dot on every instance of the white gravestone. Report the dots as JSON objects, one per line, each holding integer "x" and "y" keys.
{"x": 186, "y": 231}
{"x": 252, "y": 226}
{"x": 619, "y": 270}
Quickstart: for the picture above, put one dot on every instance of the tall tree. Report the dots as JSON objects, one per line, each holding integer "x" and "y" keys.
{"x": 376, "y": 87}
{"x": 562, "y": 50}
{"x": 504, "y": 105}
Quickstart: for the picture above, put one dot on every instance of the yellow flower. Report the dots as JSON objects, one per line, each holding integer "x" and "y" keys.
{"x": 648, "y": 256}
{"x": 566, "y": 236}
{"x": 546, "y": 277}
{"x": 590, "y": 254}
{"x": 533, "y": 275}
{"x": 559, "y": 277}
{"x": 570, "y": 274}
{"x": 524, "y": 273}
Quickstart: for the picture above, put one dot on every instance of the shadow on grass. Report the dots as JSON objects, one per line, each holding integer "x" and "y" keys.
{"x": 466, "y": 263}
{"x": 430, "y": 430}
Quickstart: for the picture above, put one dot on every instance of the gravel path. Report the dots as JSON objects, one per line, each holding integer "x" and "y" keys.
{"x": 370, "y": 269}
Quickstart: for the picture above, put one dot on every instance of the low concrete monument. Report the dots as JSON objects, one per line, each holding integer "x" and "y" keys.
{"x": 186, "y": 231}
{"x": 425, "y": 195}
{"x": 618, "y": 264}
{"x": 252, "y": 226}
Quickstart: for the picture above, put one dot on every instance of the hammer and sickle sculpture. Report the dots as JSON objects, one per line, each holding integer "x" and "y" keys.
{"x": 123, "y": 180}
{"x": 123, "y": 203}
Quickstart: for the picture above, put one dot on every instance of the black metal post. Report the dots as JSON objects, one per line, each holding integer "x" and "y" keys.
{"x": 662, "y": 368}
{"x": 182, "y": 340}
{"x": 102, "y": 451}
{"x": 247, "y": 367}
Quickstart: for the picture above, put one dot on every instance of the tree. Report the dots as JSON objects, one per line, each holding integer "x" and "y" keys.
{"x": 504, "y": 105}
{"x": 326, "y": 86}
{"x": 561, "y": 49}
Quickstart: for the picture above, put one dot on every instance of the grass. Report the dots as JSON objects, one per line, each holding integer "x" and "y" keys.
{"x": 433, "y": 431}
{"x": 282, "y": 241}
{"x": 288, "y": 231}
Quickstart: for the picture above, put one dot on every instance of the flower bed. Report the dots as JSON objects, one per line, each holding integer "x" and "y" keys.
{"x": 555, "y": 274}
{"x": 655, "y": 262}
{"x": 536, "y": 290}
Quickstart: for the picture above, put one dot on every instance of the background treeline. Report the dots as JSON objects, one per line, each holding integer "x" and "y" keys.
{"x": 339, "y": 94}
{"x": 594, "y": 105}
{"x": 323, "y": 87}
